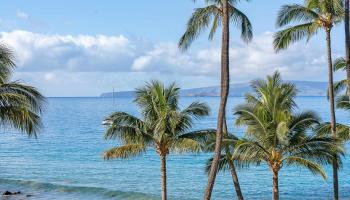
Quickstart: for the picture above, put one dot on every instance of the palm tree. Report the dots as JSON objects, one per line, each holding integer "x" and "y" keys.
{"x": 219, "y": 12}
{"x": 206, "y": 138}
{"x": 226, "y": 162}
{"x": 347, "y": 44}
{"x": 163, "y": 126}
{"x": 343, "y": 130}
{"x": 20, "y": 104}
{"x": 278, "y": 136}
{"x": 339, "y": 86}
{"x": 313, "y": 16}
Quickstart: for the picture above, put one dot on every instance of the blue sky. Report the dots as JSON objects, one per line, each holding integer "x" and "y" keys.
{"x": 86, "y": 47}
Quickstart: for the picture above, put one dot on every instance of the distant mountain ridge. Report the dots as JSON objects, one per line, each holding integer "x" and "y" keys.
{"x": 305, "y": 88}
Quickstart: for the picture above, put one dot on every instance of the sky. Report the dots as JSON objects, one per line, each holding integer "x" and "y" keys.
{"x": 87, "y": 47}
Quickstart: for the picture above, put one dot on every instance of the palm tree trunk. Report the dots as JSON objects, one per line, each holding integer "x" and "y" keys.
{"x": 232, "y": 167}
{"x": 163, "y": 171}
{"x": 332, "y": 110}
{"x": 235, "y": 180}
{"x": 224, "y": 94}
{"x": 275, "y": 190}
{"x": 347, "y": 45}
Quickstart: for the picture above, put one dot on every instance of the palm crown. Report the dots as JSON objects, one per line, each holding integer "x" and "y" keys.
{"x": 20, "y": 104}
{"x": 276, "y": 134}
{"x": 312, "y": 16}
{"x": 162, "y": 124}
{"x": 211, "y": 15}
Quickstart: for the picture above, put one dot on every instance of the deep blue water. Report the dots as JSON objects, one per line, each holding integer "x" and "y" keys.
{"x": 65, "y": 161}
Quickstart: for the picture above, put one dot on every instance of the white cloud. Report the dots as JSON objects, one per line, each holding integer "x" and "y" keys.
{"x": 49, "y": 76}
{"x": 99, "y": 61}
{"x": 141, "y": 63}
{"x": 22, "y": 15}
{"x": 40, "y": 52}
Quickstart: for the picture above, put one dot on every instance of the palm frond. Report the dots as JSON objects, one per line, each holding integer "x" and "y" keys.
{"x": 7, "y": 63}
{"x": 198, "y": 22}
{"x": 22, "y": 118}
{"x": 343, "y": 131}
{"x": 20, "y": 105}
{"x": 222, "y": 166}
{"x": 214, "y": 26}
{"x": 343, "y": 102}
{"x": 276, "y": 134}
{"x": 197, "y": 110}
{"x": 339, "y": 64}
{"x": 312, "y": 166}
{"x": 30, "y": 94}
{"x": 185, "y": 145}
{"x": 290, "y": 35}
{"x": 127, "y": 128}
{"x": 201, "y": 136}
{"x": 163, "y": 124}
{"x": 126, "y": 151}
{"x": 339, "y": 86}
{"x": 202, "y": 17}
{"x": 242, "y": 22}
{"x": 295, "y": 13}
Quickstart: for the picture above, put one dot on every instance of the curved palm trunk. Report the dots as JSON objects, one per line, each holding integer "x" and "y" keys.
{"x": 163, "y": 171}
{"x": 275, "y": 190}
{"x": 235, "y": 180}
{"x": 232, "y": 168}
{"x": 332, "y": 111}
{"x": 224, "y": 94}
{"x": 347, "y": 45}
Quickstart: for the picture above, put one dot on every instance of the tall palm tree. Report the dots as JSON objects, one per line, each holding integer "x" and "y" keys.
{"x": 313, "y": 16}
{"x": 347, "y": 44}
{"x": 217, "y": 12}
{"x": 163, "y": 126}
{"x": 20, "y": 104}
{"x": 278, "y": 136}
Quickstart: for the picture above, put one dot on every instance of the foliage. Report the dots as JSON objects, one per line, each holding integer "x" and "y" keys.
{"x": 309, "y": 18}
{"x": 211, "y": 17}
{"x": 163, "y": 125}
{"x": 276, "y": 134}
{"x": 20, "y": 104}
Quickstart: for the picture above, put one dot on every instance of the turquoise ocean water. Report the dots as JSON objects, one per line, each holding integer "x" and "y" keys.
{"x": 65, "y": 161}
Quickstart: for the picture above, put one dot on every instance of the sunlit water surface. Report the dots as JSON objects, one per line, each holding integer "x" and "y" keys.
{"x": 65, "y": 161}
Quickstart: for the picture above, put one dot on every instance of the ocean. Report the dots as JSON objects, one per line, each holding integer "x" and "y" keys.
{"x": 65, "y": 163}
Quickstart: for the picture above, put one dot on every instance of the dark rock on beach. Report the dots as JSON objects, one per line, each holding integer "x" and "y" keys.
{"x": 7, "y": 193}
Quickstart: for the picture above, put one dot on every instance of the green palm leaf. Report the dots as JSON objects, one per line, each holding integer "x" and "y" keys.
{"x": 276, "y": 134}
{"x": 312, "y": 166}
{"x": 20, "y": 105}
{"x": 283, "y": 38}
{"x": 125, "y": 151}
{"x": 211, "y": 17}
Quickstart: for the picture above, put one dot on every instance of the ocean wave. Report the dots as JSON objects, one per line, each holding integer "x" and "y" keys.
{"x": 103, "y": 193}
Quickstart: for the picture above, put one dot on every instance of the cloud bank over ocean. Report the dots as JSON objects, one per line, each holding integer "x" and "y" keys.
{"x": 104, "y": 61}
